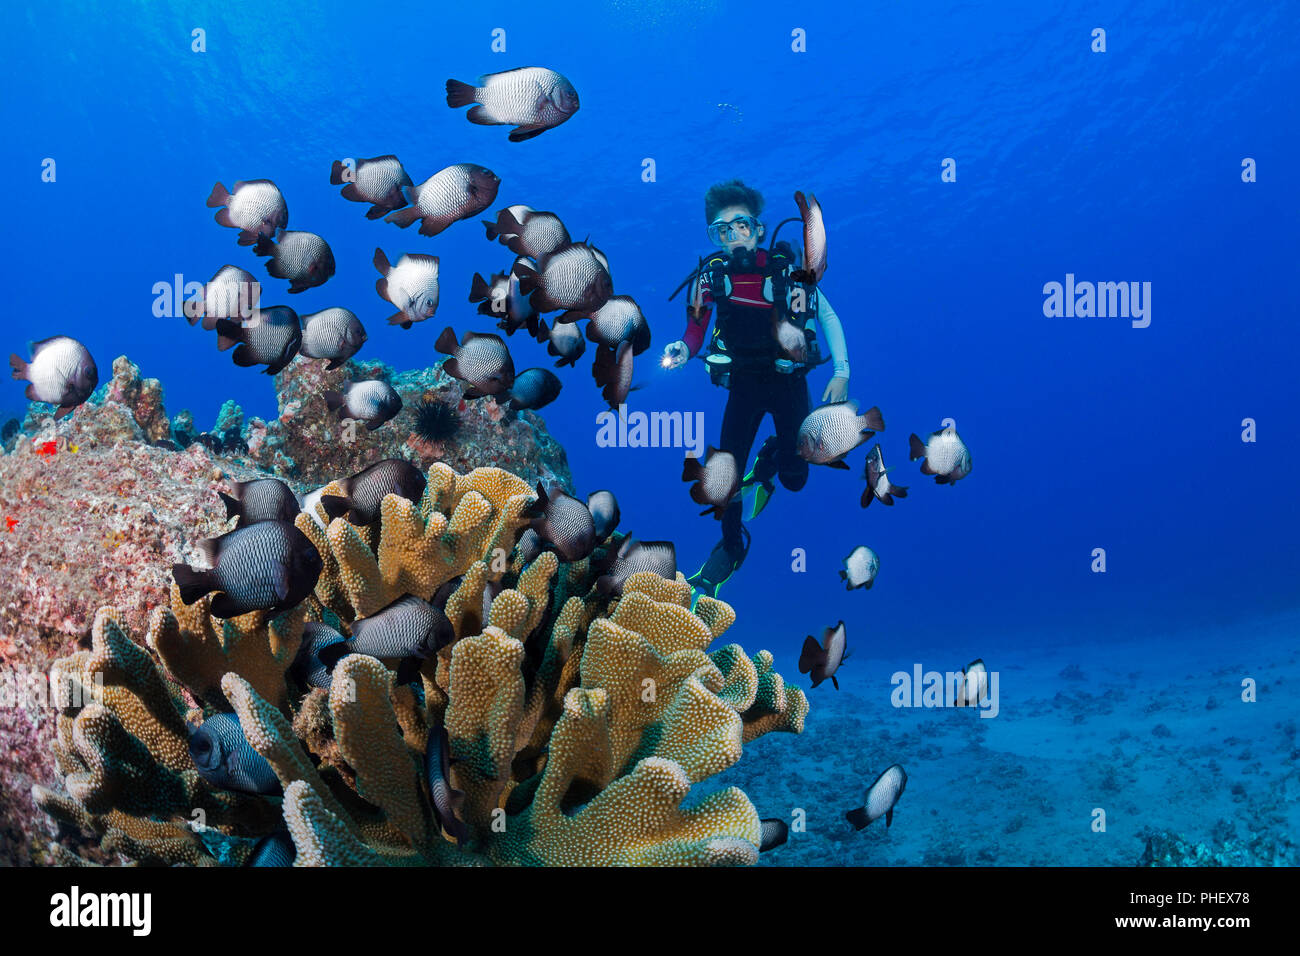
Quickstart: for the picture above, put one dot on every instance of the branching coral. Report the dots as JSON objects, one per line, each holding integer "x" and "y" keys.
{"x": 577, "y": 723}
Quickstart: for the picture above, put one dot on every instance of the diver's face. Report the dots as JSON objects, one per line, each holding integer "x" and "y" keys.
{"x": 744, "y": 238}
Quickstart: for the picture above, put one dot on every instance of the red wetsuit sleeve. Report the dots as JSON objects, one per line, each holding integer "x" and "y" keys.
{"x": 697, "y": 324}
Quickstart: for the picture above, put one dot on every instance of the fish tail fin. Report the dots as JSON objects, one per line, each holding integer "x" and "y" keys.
{"x": 229, "y": 334}
{"x": 218, "y": 196}
{"x": 336, "y": 173}
{"x": 334, "y": 506}
{"x": 491, "y": 227}
{"x": 808, "y": 655}
{"x": 192, "y": 584}
{"x": 381, "y": 262}
{"x": 873, "y": 420}
{"x": 917, "y": 447}
{"x": 479, "y": 289}
{"x": 692, "y": 470}
{"x": 460, "y": 94}
{"x": 867, "y": 495}
{"x": 18, "y": 365}
{"x": 897, "y": 491}
{"x": 333, "y": 400}
{"x": 857, "y": 817}
{"x": 527, "y": 278}
{"x": 447, "y": 343}
{"x": 264, "y": 246}
{"x": 232, "y": 506}
{"x": 331, "y": 654}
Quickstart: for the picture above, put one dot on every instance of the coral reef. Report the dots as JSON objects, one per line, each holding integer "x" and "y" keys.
{"x": 577, "y": 723}
{"x": 92, "y": 513}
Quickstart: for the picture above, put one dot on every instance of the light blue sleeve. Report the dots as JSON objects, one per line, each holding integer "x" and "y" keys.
{"x": 830, "y": 323}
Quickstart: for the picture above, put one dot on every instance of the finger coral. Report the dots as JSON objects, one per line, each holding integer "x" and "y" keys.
{"x": 575, "y": 723}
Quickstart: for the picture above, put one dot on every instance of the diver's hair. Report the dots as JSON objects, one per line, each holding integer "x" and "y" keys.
{"x": 731, "y": 193}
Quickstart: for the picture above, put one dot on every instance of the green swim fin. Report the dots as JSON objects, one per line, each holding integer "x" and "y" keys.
{"x": 756, "y": 497}
{"x": 719, "y": 567}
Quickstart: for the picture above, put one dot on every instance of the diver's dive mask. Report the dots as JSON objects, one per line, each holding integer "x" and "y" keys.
{"x": 735, "y": 230}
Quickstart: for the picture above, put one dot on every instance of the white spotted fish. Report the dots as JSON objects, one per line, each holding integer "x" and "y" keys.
{"x": 411, "y": 285}
{"x": 364, "y": 493}
{"x": 271, "y": 337}
{"x": 263, "y": 499}
{"x": 612, "y": 371}
{"x": 304, "y": 258}
{"x": 619, "y": 319}
{"x": 409, "y": 630}
{"x": 528, "y": 232}
{"x": 860, "y": 568}
{"x": 882, "y": 797}
{"x": 378, "y": 181}
{"x": 224, "y": 757}
{"x": 446, "y": 799}
{"x": 335, "y": 334}
{"x": 534, "y": 388}
{"x": 823, "y": 660}
{"x": 533, "y": 99}
{"x": 604, "y": 512}
{"x": 371, "y": 401}
{"x": 254, "y": 207}
{"x": 878, "y": 483}
{"x": 500, "y": 297}
{"x": 481, "y": 361}
{"x": 946, "y": 456}
{"x": 716, "y": 480}
{"x": 974, "y": 684}
{"x": 563, "y": 523}
{"x": 635, "y": 557}
{"x": 267, "y": 566}
{"x": 565, "y": 340}
{"x": 232, "y": 293}
{"x": 832, "y": 431}
{"x": 61, "y": 373}
{"x": 449, "y": 195}
{"x": 814, "y": 240}
{"x": 572, "y": 278}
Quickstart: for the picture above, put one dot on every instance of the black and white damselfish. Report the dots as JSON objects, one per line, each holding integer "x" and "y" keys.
{"x": 532, "y": 99}
{"x": 61, "y": 373}
{"x": 267, "y": 566}
{"x": 378, "y": 181}
{"x": 823, "y": 660}
{"x": 271, "y": 337}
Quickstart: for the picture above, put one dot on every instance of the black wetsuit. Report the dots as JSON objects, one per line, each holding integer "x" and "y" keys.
{"x": 757, "y": 388}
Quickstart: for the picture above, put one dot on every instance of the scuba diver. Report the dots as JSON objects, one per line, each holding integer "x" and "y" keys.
{"x": 754, "y": 289}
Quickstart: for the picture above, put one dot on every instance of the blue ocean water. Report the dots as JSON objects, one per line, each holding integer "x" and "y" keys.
{"x": 1086, "y": 433}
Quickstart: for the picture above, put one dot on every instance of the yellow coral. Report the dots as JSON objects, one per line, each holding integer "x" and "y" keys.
{"x": 577, "y": 724}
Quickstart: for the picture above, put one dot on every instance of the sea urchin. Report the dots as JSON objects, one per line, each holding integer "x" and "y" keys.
{"x": 436, "y": 421}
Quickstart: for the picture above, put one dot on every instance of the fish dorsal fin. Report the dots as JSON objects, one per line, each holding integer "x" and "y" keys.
{"x": 38, "y": 347}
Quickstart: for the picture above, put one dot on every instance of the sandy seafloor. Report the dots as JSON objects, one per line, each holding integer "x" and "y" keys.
{"x": 1152, "y": 731}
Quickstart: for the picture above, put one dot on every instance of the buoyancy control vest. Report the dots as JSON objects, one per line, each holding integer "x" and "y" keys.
{"x": 746, "y": 287}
